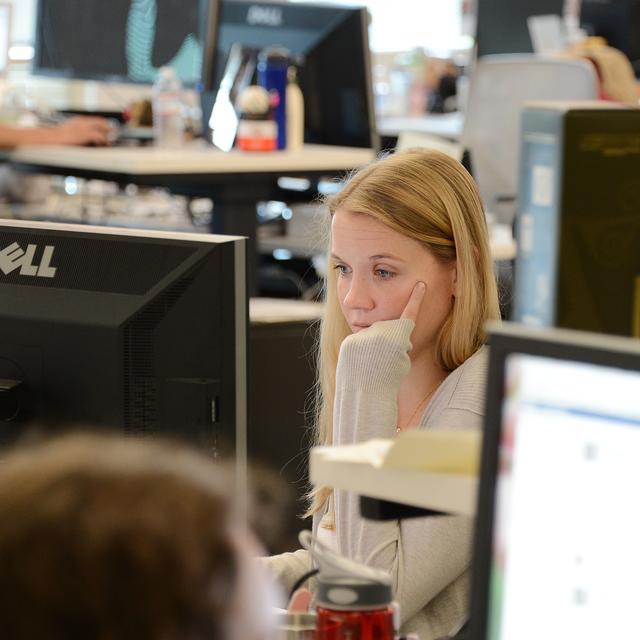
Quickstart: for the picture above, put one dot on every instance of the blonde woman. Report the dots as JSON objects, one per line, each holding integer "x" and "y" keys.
{"x": 409, "y": 288}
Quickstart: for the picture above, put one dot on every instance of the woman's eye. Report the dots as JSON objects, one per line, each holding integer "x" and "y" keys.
{"x": 384, "y": 274}
{"x": 341, "y": 269}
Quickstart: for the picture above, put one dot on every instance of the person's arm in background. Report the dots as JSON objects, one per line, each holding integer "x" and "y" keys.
{"x": 80, "y": 130}
{"x": 288, "y": 568}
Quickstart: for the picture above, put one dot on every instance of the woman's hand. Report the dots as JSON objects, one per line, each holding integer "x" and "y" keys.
{"x": 82, "y": 130}
{"x": 412, "y": 309}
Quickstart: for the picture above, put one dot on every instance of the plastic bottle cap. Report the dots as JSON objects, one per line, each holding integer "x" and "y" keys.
{"x": 254, "y": 99}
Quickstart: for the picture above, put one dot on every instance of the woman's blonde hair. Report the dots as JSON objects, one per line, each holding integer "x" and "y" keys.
{"x": 427, "y": 196}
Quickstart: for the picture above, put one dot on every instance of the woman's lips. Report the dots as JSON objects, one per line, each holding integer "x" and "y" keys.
{"x": 359, "y": 327}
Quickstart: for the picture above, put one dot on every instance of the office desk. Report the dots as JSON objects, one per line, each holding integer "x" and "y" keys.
{"x": 235, "y": 181}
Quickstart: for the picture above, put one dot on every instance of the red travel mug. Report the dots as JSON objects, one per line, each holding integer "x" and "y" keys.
{"x": 354, "y": 609}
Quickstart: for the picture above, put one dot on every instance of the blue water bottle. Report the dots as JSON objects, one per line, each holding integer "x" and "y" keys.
{"x": 273, "y": 63}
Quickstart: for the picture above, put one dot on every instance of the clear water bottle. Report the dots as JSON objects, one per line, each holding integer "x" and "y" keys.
{"x": 168, "y": 109}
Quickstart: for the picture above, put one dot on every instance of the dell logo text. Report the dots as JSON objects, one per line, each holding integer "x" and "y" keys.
{"x": 15, "y": 257}
{"x": 269, "y": 16}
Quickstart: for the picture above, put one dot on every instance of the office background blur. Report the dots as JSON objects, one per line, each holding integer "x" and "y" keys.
{"x": 402, "y": 34}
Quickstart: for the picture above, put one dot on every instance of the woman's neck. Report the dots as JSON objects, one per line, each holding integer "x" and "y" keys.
{"x": 418, "y": 388}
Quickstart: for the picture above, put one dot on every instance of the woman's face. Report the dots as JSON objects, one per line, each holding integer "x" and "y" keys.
{"x": 377, "y": 269}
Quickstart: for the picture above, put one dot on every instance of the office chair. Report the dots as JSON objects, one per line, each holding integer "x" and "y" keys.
{"x": 500, "y": 85}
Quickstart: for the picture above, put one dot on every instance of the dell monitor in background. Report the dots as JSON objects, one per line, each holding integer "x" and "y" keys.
{"x": 122, "y": 40}
{"x": 556, "y": 546}
{"x": 501, "y": 25}
{"x": 139, "y": 331}
{"x": 331, "y": 43}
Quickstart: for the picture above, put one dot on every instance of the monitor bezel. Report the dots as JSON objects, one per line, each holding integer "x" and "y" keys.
{"x": 209, "y": 11}
{"x": 506, "y": 339}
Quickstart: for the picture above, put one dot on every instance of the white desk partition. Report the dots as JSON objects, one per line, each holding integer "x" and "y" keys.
{"x": 444, "y": 125}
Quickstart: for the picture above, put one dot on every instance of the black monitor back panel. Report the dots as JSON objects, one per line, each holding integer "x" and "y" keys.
{"x": 502, "y": 24}
{"x": 133, "y": 333}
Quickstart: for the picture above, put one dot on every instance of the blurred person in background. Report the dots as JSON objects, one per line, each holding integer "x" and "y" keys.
{"x": 107, "y": 537}
{"x": 80, "y": 130}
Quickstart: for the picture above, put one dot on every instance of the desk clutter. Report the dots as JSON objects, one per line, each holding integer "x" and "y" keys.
{"x": 269, "y": 115}
{"x": 76, "y": 200}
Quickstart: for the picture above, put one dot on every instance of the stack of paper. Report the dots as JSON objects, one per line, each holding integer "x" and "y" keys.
{"x": 435, "y": 469}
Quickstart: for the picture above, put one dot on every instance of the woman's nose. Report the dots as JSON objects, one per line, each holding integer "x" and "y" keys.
{"x": 358, "y": 295}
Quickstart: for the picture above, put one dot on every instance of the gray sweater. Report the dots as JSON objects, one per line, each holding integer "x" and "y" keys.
{"x": 428, "y": 558}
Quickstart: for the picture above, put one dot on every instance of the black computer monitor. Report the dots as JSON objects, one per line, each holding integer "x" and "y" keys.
{"x": 122, "y": 40}
{"x": 556, "y": 544}
{"x": 618, "y": 21}
{"x": 330, "y": 42}
{"x": 501, "y": 25}
{"x": 139, "y": 331}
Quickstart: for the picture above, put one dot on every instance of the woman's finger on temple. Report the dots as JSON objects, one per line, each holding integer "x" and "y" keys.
{"x": 415, "y": 300}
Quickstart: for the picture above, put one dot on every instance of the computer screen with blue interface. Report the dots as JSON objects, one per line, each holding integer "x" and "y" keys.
{"x": 560, "y": 486}
{"x": 120, "y": 40}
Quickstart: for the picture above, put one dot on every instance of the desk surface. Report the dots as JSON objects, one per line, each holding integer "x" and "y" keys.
{"x": 157, "y": 161}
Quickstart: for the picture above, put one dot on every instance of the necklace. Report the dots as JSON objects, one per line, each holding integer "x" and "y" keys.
{"x": 415, "y": 411}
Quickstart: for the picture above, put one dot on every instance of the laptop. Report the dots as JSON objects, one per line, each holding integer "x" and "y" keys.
{"x": 557, "y": 544}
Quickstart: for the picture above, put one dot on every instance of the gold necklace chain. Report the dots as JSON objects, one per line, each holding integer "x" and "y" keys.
{"x": 415, "y": 411}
